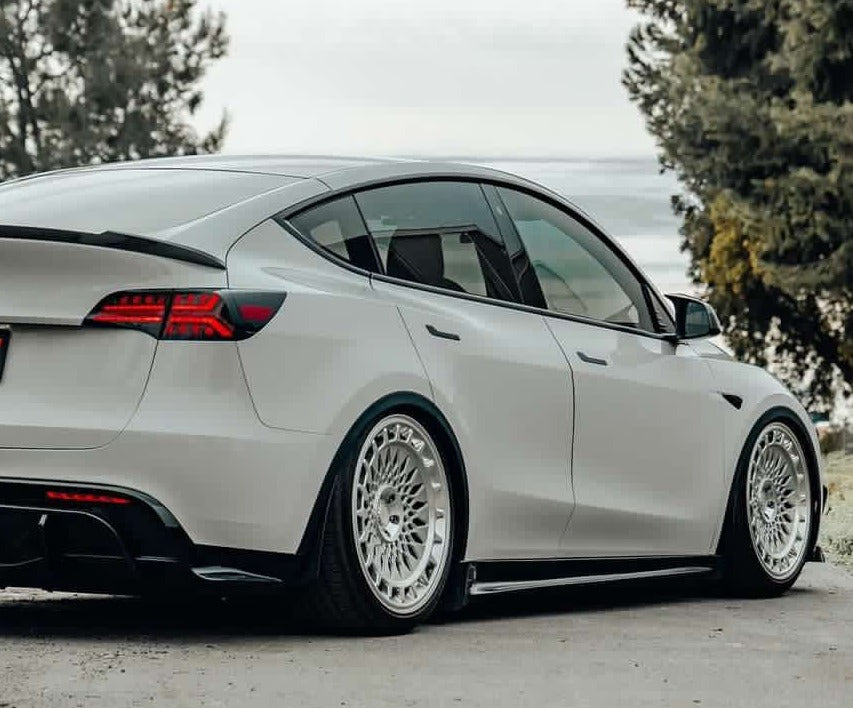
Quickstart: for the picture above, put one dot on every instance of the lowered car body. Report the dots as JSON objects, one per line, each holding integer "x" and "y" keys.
{"x": 252, "y": 372}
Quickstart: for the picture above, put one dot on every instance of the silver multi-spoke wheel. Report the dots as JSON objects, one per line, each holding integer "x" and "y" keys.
{"x": 778, "y": 496}
{"x": 401, "y": 514}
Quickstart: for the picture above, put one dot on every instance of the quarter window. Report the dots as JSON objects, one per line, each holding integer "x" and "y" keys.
{"x": 440, "y": 234}
{"x": 337, "y": 227}
{"x": 578, "y": 274}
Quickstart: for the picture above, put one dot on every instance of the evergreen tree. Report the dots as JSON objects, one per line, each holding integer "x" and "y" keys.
{"x": 89, "y": 81}
{"x": 751, "y": 104}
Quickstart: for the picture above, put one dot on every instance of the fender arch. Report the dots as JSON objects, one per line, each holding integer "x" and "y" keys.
{"x": 427, "y": 413}
{"x": 790, "y": 417}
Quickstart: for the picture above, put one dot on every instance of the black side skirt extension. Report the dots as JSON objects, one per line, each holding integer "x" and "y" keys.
{"x": 491, "y": 577}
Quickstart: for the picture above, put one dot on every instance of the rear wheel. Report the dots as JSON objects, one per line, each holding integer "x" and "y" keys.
{"x": 770, "y": 527}
{"x": 389, "y": 532}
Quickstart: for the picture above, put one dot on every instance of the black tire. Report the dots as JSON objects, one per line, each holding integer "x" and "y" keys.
{"x": 743, "y": 574}
{"x": 340, "y": 597}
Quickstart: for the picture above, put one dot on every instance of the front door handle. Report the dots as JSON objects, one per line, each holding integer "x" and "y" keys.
{"x": 592, "y": 359}
{"x": 443, "y": 335}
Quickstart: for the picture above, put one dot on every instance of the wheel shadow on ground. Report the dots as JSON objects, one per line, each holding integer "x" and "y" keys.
{"x": 96, "y": 617}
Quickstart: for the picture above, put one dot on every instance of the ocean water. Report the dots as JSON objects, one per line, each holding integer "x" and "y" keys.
{"x": 629, "y": 198}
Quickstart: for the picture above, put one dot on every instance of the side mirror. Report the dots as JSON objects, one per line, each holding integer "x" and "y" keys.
{"x": 694, "y": 318}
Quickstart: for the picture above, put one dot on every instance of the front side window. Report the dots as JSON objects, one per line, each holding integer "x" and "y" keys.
{"x": 578, "y": 274}
{"x": 440, "y": 234}
{"x": 336, "y": 226}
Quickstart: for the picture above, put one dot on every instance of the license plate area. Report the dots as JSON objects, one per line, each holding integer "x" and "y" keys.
{"x": 5, "y": 340}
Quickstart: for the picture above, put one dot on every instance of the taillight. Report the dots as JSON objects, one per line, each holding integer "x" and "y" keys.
{"x": 139, "y": 310}
{"x": 196, "y": 315}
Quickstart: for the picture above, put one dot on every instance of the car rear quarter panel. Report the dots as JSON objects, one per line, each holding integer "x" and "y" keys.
{"x": 332, "y": 350}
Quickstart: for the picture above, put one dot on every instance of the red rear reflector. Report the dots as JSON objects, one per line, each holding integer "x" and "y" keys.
{"x": 256, "y": 313}
{"x": 86, "y": 498}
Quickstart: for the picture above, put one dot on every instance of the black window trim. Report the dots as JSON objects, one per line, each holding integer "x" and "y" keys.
{"x": 513, "y": 246}
{"x": 282, "y": 219}
{"x": 377, "y": 257}
{"x": 652, "y": 296}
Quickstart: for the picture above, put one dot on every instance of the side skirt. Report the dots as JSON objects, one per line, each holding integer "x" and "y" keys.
{"x": 492, "y": 577}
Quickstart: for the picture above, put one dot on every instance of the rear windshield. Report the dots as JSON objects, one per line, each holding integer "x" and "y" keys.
{"x": 133, "y": 201}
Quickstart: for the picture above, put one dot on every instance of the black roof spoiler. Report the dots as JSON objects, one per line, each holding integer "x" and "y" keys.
{"x": 111, "y": 239}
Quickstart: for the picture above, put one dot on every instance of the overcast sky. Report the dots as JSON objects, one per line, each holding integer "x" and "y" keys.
{"x": 428, "y": 77}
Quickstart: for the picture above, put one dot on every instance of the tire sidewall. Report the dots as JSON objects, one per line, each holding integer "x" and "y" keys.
{"x": 341, "y": 507}
{"x": 742, "y": 565}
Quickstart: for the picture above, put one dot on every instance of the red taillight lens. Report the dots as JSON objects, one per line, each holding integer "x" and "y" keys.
{"x": 199, "y": 315}
{"x": 86, "y": 498}
{"x": 139, "y": 310}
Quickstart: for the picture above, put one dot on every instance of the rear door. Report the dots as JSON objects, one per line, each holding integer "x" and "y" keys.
{"x": 65, "y": 385}
{"x": 496, "y": 372}
{"x": 648, "y": 453}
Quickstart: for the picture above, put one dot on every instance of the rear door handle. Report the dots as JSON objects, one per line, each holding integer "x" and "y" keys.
{"x": 592, "y": 359}
{"x": 443, "y": 335}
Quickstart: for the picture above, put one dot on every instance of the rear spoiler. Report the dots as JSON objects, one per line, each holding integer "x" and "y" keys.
{"x": 111, "y": 239}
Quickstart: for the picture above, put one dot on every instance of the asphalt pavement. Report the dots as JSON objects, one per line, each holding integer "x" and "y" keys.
{"x": 659, "y": 644}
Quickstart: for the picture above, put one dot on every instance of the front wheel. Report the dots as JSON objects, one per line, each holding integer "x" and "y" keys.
{"x": 389, "y": 533}
{"x": 774, "y": 513}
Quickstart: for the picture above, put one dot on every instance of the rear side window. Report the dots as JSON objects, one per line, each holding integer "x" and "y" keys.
{"x": 440, "y": 234}
{"x": 337, "y": 227}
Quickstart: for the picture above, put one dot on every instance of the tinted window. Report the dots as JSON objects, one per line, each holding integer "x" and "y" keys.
{"x": 578, "y": 274}
{"x": 438, "y": 233}
{"x": 338, "y": 228}
{"x": 528, "y": 283}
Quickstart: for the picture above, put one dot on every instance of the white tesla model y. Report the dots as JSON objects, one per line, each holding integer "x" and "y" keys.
{"x": 377, "y": 385}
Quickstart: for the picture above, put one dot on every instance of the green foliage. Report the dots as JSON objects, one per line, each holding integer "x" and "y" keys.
{"x": 751, "y": 103}
{"x": 89, "y": 81}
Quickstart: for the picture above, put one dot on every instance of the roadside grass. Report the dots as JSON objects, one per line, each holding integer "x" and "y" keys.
{"x": 837, "y": 528}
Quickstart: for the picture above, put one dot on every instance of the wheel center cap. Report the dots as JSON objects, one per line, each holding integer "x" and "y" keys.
{"x": 767, "y": 500}
{"x": 388, "y": 512}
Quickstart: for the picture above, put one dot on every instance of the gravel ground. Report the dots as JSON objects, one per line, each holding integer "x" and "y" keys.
{"x": 649, "y": 645}
{"x": 837, "y": 526}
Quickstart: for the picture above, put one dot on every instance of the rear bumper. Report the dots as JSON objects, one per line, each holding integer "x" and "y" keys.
{"x": 130, "y": 548}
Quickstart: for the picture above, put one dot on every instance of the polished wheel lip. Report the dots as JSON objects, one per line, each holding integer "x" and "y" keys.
{"x": 778, "y": 501}
{"x": 401, "y": 514}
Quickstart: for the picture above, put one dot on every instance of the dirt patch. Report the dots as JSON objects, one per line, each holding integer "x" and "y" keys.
{"x": 837, "y": 527}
